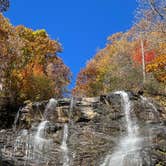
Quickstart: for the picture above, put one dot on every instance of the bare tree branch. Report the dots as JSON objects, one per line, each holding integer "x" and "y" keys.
{"x": 4, "y": 5}
{"x": 152, "y": 5}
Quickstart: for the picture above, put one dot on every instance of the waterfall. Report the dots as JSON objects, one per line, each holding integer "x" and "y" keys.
{"x": 127, "y": 152}
{"x": 50, "y": 107}
{"x": 64, "y": 147}
{"x": 42, "y": 145}
{"x": 16, "y": 119}
{"x": 40, "y": 131}
{"x": 72, "y": 103}
{"x": 21, "y": 138}
{"x": 36, "y": 146}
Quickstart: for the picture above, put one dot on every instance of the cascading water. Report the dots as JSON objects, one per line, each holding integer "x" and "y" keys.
{"x": 16, "y": 119}
{"x": 86, "y": 141}
{"x": 36, "y": 146}
{"x": 40, "y": 130}
{"x": 20, "y": 140}
{"x": 50, "y": 107}
{"x": 41, "y": 144}
{"x": 127, "y": 153}
{"x": 72, "y": 103}
{"x": 64, "y": 147}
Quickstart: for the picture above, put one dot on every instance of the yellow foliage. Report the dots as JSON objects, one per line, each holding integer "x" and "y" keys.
{"x": 158, "y": 67}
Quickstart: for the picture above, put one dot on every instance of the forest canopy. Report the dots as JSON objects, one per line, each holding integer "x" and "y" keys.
{"x": 30, "y": 68}
{"x": 131, "y": 60}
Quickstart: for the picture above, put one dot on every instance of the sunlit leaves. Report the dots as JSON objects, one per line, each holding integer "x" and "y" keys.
{"x": 25, "y": 59}
{"x": 158, "y": 67}
{"x": 119, "y": 64}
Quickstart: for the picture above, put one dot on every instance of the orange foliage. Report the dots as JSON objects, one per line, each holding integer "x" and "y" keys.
{"x": 86, "y": 80}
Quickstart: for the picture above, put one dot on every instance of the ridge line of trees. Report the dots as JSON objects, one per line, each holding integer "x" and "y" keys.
{"x": 132, "y": 60}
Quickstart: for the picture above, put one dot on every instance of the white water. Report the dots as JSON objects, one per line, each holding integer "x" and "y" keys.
{"x": 21, "y": 138}
{"x": 64, "y": 147}
{"x": 16, "y": 120}
{"x": 50, "y": 108}
{"x": 35, "y": 146}
{"x": 127, "y": 152}
{"x": 72, "y": 103}
{"x": 38, "y": 146}
{"x": 41, "y": 144}
{"x": 40, "y": 131}
{"x": 39, "y": 140}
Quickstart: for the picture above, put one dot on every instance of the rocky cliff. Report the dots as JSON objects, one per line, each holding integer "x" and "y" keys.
{"x": 95, "y": 126}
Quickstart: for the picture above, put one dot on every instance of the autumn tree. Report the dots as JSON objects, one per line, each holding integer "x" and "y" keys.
{"x": 10, "y": 53}
{"x": 109, "y": 68}
{"x": 152, "y": 14}
{"x": 25, "y": 58}
{"x": 41, "y": 63}
{"x": 131, "y": 60}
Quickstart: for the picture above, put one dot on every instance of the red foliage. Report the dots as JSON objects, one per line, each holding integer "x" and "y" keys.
{"x": 149, "y": 55}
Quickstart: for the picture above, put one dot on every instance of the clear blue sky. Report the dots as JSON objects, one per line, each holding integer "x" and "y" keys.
{"x": 82, "y": 26}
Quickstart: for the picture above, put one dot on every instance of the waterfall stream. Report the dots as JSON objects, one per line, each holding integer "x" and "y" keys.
{"x": 40, "y": 130}
{"x": 16, "y": 119}
{"x": 36, "y": 145}
{"x": 61, "y": 137}
{"x": 64, "y": 147}
{"x": 41, "y": 144}
{"x": 127, "y": 152}
{"x": 50, "y": 108}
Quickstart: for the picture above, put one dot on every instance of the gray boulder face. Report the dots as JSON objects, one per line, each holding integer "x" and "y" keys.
{"x": 83, "y": 131}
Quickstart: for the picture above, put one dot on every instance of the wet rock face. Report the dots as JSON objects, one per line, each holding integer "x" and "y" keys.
{"x": 95, "y": 126}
